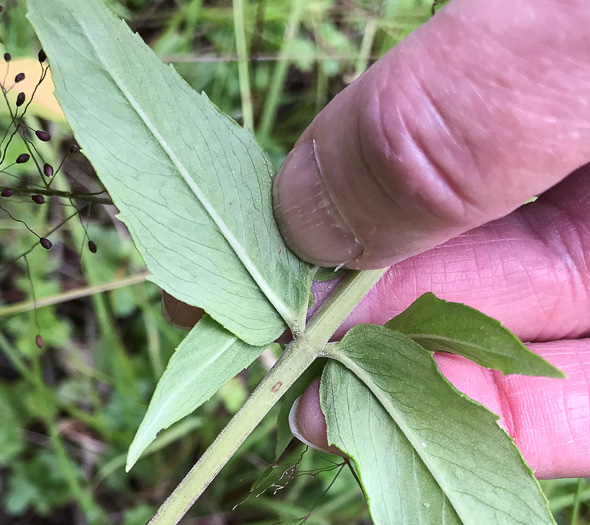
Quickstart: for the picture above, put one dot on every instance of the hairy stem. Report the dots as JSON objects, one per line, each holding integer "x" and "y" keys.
{"x": 294, "y": 361}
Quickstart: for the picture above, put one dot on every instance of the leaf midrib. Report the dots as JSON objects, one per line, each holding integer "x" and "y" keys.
{"x": 182, "y": 386}
{"x": 434, "y": 337}
{"x": 377, "y": 392}
{"x": 276, "y": 302}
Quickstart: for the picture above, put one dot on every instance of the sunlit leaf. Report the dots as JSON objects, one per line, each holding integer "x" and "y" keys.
{"x": 443, "y": 326}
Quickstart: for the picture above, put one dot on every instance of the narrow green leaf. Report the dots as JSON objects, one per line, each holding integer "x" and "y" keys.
{"x": 328, "y": 274}
{"x": 284, "y": 435}
{"x": 193, "y": 187}
{"x": 207, "y": 358}
{"x": 443, "y": 326}
{"x": 453, "y": 455}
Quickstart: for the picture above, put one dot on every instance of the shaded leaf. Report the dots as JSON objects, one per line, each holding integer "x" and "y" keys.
{"x": 207, "y": 358}
{"x": 457, "y": 458}
{"x": 193, "y": 188}
{"x": 328, "y": 274}
{"x": 443, "y": 326}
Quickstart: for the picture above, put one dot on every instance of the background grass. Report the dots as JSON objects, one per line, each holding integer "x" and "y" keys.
{"x": 69, "y": 410}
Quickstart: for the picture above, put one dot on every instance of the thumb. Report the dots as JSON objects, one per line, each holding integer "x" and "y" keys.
{"x": 481, "y": 108}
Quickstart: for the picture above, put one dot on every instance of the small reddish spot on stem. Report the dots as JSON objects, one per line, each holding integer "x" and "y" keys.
{"x": 277, "y": 387}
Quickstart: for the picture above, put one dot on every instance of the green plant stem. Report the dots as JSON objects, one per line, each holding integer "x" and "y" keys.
{"x": 577, "y": 497}
{"x": 366, "y": 46}
{"x": 294, "y": 361}
{"x": 243, "y": 71}
{"x": 70, "y": 295}
{"x": 280, "y": 72}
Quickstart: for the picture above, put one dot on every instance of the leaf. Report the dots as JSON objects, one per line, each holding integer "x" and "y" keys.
{"x": 438, "y": 454}
{"x": 207, "y": 358}
{"x": 443, "y": 326}
{"x": 328, "y": 274}
{"x": 284, "y": 435}
{"x": 12, "y": 440}
{"x": 193, "y": 188}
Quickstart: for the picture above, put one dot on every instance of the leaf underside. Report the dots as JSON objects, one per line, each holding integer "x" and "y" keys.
{"x": 425, "y": 453}
{"x": 193, "y": 188}
{"x": 205, "y": 360}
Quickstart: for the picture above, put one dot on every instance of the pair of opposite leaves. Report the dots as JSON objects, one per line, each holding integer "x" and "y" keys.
{"x": 194, "y": 189}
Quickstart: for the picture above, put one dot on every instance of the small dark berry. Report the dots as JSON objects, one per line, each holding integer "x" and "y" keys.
{"x": 74, "y": 148}
{"x": 92, "y": 246}
{"x": 43, "y": 135}
{"x": 22, "y": 158}
{"x": 7, "y": 57}
{"x": 48, "y": 170}
{"x": 42, "y": 56}
{"x": 46, "y": 243}
{"x": 1, "y": 8}
{"x": 6, "y": 192}
{"x": 19, "y": 78}
{"x": 20, "y": 99}
{"x": 39, "y": 341}
{"x": 38, "y": 199}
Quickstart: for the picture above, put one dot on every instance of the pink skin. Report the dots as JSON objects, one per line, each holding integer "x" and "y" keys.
{"x": 481, "y": 108}
{"x": 529, "y": 271}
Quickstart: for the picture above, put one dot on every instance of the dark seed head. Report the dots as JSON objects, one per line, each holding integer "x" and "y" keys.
{"x": 38, "y": 199}
{"x": 39, "y": 341}
{"x": 43, "y": 135}
{"x": 22, "y": 158}
{"x": 7, "y": 57}
{"x": 20, "y": 99}
{"x": 92, "y": 246}
{"x": 48, "y": 170}
{"x": 46, "y": 243}
{"x": 74, "y": 148}
{"x": 19, "y": 78}
{"x": 6, "y": 192}
{"x": 42, "y": 56}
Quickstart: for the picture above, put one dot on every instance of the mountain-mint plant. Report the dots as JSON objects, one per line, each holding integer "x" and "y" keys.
{"x": 194, "y": 190}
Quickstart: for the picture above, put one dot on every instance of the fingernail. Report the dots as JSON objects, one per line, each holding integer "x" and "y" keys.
{"x": 295, "y": 428}
{"x": 308, "y": 217}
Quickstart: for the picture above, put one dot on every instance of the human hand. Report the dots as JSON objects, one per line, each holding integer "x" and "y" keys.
{"x": 483, "y": 107}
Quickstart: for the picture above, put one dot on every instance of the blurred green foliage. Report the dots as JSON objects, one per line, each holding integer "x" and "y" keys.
{"x": 69, "y": 410}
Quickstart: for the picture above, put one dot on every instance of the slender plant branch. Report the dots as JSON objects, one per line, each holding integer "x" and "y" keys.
{"x": 70, "y": 295}
{"x": 294, "y": 361}
{"x": 47, "y": 234}
{"x": 366, "y": 46}
{"x": 87, "y": 197}
{"x": 577, "y": 497}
